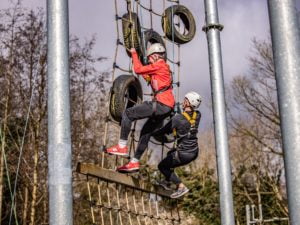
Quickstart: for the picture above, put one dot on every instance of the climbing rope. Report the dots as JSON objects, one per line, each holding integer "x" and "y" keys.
{"x": 8, "y": 175}
{"x": 129, "y": 205}
{"x": 21, "y": 152}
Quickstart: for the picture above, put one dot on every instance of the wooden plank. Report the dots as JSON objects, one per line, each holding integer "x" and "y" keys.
{"x": 124, "y": 179}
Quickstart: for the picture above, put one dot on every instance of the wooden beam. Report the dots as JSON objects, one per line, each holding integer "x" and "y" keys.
{"x": 120, "y": 178}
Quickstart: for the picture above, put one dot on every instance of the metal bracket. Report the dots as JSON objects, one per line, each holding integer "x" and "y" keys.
{"x": 212, "y": 26}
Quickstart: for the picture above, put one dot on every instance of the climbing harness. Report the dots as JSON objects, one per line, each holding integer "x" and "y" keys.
{"x": 191, "y": 119}
{"x": 192, "y": 130}
{"x": 155, "y": 93}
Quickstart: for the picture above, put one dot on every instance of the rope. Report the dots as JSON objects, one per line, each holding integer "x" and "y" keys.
{"x": 143, "y": 208}
{"x": 90, "y": 199}
{"x": 129, "y": 211}
{"x": 173, "y": 47}
{"x": 151, "y": 15}
{"x": 109, "y": 203}
{"x": 100, "y": 201}
{"x": 128, "y": 208}
{"x": 119, "y": 205}
{"x": 7, "y": 173}
{"x": 178, "y": 68}
{"x": 135, "y": 207}
{"x": 112, "y": 79}
{"x": 148, "y": 9}
{"x": 21, "y": 150}
{"x": 132, "y": 24}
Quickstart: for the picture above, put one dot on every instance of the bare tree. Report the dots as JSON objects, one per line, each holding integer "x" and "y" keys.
{"x": 23, "y": 89}
{"x": 255, "y": 138}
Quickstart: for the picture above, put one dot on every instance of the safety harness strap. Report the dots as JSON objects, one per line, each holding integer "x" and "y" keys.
{"x": 191, "y": 119}
{"x": 154, "y": 99}
{"x": 162, "y": 90}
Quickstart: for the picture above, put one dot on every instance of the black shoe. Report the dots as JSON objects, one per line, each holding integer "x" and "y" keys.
{"x": 165, "y": 184}
{"x": 179, "y": 192}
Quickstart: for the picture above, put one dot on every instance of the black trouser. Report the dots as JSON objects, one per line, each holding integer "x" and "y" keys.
{"x": 141, "y": 111}
{"x": 173, "y": 160}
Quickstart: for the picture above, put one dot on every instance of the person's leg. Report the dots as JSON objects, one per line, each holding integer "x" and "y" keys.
{"x": 133, "y": 165}
{"x": 149, "y": 127}
{"x": 183, "y": 160}
{"x": 145, "y": 136}
{"x": 137, "y": 112}
{"x": 167, "y": 165}
{"x": 152, "y": 123}
{"x": 131, "y": 114}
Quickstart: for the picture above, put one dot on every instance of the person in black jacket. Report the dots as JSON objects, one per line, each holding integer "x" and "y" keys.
{"x": 185, "y": 128}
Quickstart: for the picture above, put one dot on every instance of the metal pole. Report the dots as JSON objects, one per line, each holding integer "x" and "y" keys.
{"x": 212, "y": 30}
{"x": 286, "y": 50}
{"x": 59, "y": 137}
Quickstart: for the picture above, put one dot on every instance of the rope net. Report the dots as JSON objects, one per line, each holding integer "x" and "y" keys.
{"x": 110, "y": 201}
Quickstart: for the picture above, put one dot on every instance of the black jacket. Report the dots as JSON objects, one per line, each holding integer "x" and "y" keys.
{"x": 187, "y": 141}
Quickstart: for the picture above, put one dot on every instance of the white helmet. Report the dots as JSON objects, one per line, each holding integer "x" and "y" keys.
{"x": 194, "y": 98}
{"x": 156, "y": 48}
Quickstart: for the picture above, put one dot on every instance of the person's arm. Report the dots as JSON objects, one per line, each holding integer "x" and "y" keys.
{"x": 139, "y": 68}
{"x": 168, "y": 128}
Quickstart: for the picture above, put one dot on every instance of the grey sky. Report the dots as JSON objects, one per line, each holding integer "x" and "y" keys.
{"x": 243, "y": 20}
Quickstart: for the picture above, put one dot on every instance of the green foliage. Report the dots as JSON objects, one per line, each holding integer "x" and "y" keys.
{"x": 202, "y": 201}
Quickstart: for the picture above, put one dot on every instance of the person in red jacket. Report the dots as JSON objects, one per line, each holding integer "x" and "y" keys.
{"x": 158, "y": 72}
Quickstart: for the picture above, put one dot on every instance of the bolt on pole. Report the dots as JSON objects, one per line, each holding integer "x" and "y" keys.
{"x": 286, "y": 51}
{"x": 59, "y": 135}
{"x": 212, "y": 29}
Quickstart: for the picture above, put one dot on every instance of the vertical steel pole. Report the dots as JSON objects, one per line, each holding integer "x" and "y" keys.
{"x": 286, "y": 50}
{"x": 59, "y": 135}
{"x": 212, "y": 30}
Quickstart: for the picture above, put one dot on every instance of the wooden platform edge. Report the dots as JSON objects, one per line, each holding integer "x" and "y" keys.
{"x": 124, "y": 179}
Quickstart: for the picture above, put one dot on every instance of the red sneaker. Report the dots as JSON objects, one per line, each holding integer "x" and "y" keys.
{"x": 116, "y": 150}
{"x": 129, "y": 167}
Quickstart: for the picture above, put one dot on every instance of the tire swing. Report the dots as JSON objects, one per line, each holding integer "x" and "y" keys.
{"x": 125, "y": 93}
{"x": 150, "y": 37}
{"x": 171, "y": 30}
{"x": 166, "y": 138}
{"x": 131, "y": 32}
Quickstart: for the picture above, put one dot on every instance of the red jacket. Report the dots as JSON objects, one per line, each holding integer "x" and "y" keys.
{"x": 160, "y": 78}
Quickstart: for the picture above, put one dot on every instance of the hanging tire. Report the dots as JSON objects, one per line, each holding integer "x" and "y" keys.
{"x": 131, "y": 32}
{"x": 150, "y": 37}
{"x": 166, "y": 138}
{"x": 125, "y": 93}
{"x": 186, "y": 17}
